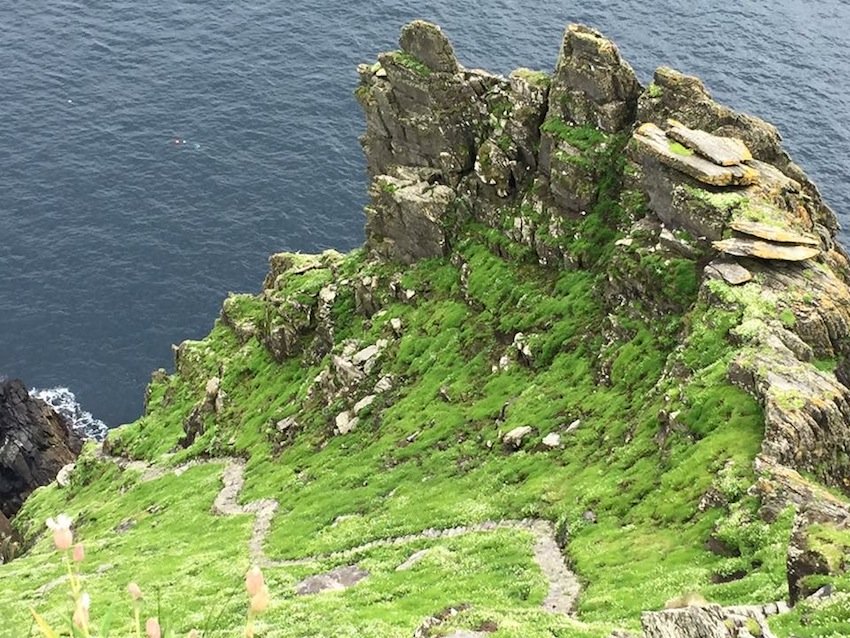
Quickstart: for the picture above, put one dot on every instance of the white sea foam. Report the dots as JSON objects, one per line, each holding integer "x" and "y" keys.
{"x": 65, "y": 403}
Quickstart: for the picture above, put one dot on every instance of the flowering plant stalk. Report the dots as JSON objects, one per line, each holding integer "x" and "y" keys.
{"x": 80, "y": 627}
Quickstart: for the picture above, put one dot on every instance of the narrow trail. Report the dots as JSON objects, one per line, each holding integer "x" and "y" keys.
{"x": 563, "y": 584}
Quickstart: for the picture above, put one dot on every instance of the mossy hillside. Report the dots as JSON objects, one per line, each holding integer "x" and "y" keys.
{"x": 428, "y": 454}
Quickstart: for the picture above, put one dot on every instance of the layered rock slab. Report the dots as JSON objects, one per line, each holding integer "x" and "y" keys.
{"x": 657, "y": 143}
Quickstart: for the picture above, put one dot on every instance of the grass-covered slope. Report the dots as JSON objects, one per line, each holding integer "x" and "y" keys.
{"x": 659, "y": 428}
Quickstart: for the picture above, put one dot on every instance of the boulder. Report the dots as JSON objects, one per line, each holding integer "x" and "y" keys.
{"x": 345, "y": 422}
{"x": 363, "y": 403}
{"x": 35, "y": 444}
{"x": 63, "y": 478}
{"x": 552, "y": 440}
{"x": 515, "y": 437}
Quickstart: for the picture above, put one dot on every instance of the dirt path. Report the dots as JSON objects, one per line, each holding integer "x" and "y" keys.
{"x": 563, "y": 584}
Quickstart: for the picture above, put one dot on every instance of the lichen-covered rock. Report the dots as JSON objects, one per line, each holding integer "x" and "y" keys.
{"x": 773, "y": 233}
{"x": 592, "y": 84}
{"x": 494, "y": 167}
{"x": 295, "y": 303}
{"x": 723, "y": 151}
{"x": 818, "y": 546}
{"x": 814, "y": 547}
{"x": 210, "y": 405}
{"x": 427, "y": 43}
{"x": 35, "y": 443}
{"x": 409, "y": 217}
{"x": 806, "y": 411}
{"x": 335, "y": 580}
{"x": 655, "y": 142}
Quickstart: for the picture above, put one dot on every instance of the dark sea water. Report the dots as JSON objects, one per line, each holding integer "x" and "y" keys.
{"x": 116, "y": 241}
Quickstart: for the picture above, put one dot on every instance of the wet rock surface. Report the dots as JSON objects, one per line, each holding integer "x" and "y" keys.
{"x": 35, "y": 443}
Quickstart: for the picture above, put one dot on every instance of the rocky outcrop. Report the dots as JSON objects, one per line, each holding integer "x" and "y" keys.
{"x": 710, "y": 621}
{"x": 820, "y": 537}
{"x": 410, "y": 215}
{"x": 721, "y": 200}
{"x": 208, "y": 407}
{"x": 666, "y": 148}
{"x": 35, "y": 443}
{"x": 592, "y": 84}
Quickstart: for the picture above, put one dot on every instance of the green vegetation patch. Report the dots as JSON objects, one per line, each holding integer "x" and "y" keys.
{"x": 679, "y": 149}
{"x": 412, "y": 62}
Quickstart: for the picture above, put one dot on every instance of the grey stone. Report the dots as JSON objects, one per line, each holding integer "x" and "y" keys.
{"x": 731, "y": 272}
{"x": 363, "y": 403}
{"x": 514, "y": 438}
{"x": 396, "y": 326}
{"x": 384, "y": 385}
{"x": 552, "y": 440}
{"x": 412, "y": 560}
{"x": 427, "y": 43}
{"x": 334, "y": 580}
{"x": 63, "y": 478}
{"x": 345, "y": 422}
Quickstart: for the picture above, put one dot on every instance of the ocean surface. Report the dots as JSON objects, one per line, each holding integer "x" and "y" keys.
{"x": 152, "y": 155}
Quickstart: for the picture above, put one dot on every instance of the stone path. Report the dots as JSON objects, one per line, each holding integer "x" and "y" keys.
{"x": 563, "y": 584}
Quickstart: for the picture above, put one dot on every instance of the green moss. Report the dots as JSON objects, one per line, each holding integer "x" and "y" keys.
{"x": 786, "y": 316}
{"x": 412, "y": 62}
{"x": 387, "y": 186}
{"x": 679, "y": 149}
{"x": 538, "y": 79}
{"x": 826, "y": 365}
{"x": 584, "y": 138}
{"x": 654, "y": 91}
{"x": 721, "y": 200}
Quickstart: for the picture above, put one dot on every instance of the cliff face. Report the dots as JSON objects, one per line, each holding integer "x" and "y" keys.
{"x": 591, "y": 360}
{"x": 35, "y": 443}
